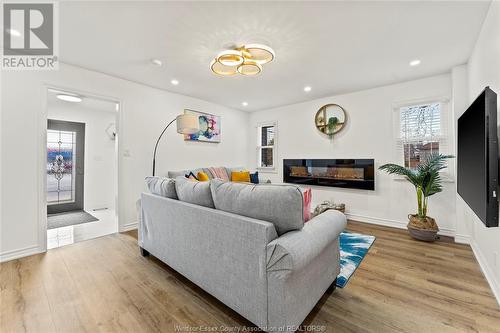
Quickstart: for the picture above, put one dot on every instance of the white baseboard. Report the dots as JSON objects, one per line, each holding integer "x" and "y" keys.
{"x": 392, "y": 223}
{"x": 462, "y": 239}
{"x": 487, "y": 271}
{"x": 35, "y": 249}
{"x": 128, "y": 227}
{"x": 19, "y": 253}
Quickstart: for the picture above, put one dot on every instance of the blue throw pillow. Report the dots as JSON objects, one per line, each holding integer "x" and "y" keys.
{"x": 254, "y": 177}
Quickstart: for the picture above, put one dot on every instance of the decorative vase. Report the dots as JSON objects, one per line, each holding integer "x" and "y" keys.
{"x": 424, "y": 229}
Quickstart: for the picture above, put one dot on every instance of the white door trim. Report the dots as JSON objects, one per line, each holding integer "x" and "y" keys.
{"x": 42, "y": 153}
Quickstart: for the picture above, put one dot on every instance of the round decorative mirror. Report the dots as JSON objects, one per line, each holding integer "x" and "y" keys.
{"x": 330, "y": 119}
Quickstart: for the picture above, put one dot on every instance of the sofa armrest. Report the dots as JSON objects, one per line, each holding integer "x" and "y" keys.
{"x": 295, "y": 249}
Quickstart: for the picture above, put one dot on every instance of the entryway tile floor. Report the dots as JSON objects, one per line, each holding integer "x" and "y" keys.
{"x": 107, "y": 224}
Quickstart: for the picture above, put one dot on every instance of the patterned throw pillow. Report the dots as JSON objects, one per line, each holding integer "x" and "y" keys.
{"x": 191, "y": 176}
{"x": 219, "y": 172}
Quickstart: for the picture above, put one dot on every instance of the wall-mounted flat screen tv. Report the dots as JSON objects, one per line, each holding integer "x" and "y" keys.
{"x": 477, "y": 157}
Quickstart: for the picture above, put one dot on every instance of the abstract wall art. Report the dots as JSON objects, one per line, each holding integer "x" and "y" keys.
{"x": 209, "y": 127}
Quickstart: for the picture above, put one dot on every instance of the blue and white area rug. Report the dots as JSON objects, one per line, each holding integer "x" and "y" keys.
{"x": 353, "y": 248}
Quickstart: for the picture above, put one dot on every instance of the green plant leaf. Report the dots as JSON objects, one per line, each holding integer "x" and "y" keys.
{"x": 426, "y": 177}
{"x": 409, "y": 174}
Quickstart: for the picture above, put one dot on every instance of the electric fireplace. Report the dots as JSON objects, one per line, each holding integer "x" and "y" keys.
{"x": 346, "y": 173}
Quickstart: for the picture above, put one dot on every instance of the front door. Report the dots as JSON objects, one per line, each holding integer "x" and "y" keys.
{"x": 65, "y": 165}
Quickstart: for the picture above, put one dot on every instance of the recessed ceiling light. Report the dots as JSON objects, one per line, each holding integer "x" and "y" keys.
{"x": 69, "y": 98}
{"x": 244, "y": 104}
{"x": 307, "y": 89}
{"x": 174, "y": 82}
{"x": 157, "y": 62}
{"x": 415, "y": 62}
{"x": 14, "y": 32}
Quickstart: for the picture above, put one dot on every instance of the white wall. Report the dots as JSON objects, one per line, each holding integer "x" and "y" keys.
{"x": 145, "y": 111}
{"x": 369, "y": 133}
{"x": 460, "y": 102}
{"x": 100, "y": 157}
{"x": 484, "y": 70}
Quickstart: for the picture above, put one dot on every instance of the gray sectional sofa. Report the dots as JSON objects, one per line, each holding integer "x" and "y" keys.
{"x": 245, "y": 244}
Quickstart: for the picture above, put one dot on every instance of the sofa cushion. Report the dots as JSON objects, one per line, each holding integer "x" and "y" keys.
{"x": 278, "y": 204}
{"x": 194, "y": 192}
{"x": 162, "y": 186}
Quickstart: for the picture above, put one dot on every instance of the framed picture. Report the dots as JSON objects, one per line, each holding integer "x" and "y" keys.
{"x": 209, "y": 127}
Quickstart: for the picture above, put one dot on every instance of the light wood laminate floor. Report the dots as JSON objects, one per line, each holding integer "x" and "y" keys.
{"x": 104, "y": 285}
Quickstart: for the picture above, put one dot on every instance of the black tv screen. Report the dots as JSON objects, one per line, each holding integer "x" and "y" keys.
{"x": 477, "y": 158}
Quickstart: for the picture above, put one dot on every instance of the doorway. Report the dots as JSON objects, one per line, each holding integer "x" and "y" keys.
{"x": 82, "y": 167}
{"x": 65, "y": 166}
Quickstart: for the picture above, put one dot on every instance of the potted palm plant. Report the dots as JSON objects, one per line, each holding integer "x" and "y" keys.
{"x": 427, "y": 181}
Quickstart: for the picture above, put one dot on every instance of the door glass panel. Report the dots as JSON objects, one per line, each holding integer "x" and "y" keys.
{"x": 60, "y": 166}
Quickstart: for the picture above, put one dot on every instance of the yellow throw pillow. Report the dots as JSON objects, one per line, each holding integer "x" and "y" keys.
{"x": 240, "y": 176}
{"x": 202, "y": 177}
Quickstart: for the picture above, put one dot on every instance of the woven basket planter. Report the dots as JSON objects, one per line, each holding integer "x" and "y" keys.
{"x": 424, "y": 229}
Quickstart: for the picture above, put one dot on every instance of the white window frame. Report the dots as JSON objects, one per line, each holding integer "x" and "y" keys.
{"x": 446, "y": 140}
{"x": 258, "y": 130}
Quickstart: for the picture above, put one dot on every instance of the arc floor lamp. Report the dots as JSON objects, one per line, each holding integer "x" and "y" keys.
{"x": 186, "y": 124}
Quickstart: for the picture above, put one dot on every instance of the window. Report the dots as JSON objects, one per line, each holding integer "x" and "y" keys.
{"x": 266, "y": 146}
{"x": 422, "y": 131}
{"x": 60, "y": 171}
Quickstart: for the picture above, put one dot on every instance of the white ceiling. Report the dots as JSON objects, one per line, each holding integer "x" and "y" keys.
{"x": 335, "y": 47}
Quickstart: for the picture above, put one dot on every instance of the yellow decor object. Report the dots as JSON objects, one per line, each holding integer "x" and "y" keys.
{"x": 202, "y": 177}
{"x": 245, "y": 60}
{"x": 240, "y": 176}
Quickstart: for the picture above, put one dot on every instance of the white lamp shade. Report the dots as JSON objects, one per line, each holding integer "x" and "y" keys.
{"x": 187, "y": 124}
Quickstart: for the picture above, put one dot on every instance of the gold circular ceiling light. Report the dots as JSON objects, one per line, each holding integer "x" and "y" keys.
{"x": 230, "y": 58}
{"x": 261, "y": 54}
{"x": 249, "y": 68}
{"x": 245, "y": 60}
{"x": 221, "y": 69}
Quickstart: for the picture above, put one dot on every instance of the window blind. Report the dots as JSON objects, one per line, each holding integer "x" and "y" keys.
{"x": 421, "y": 122}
